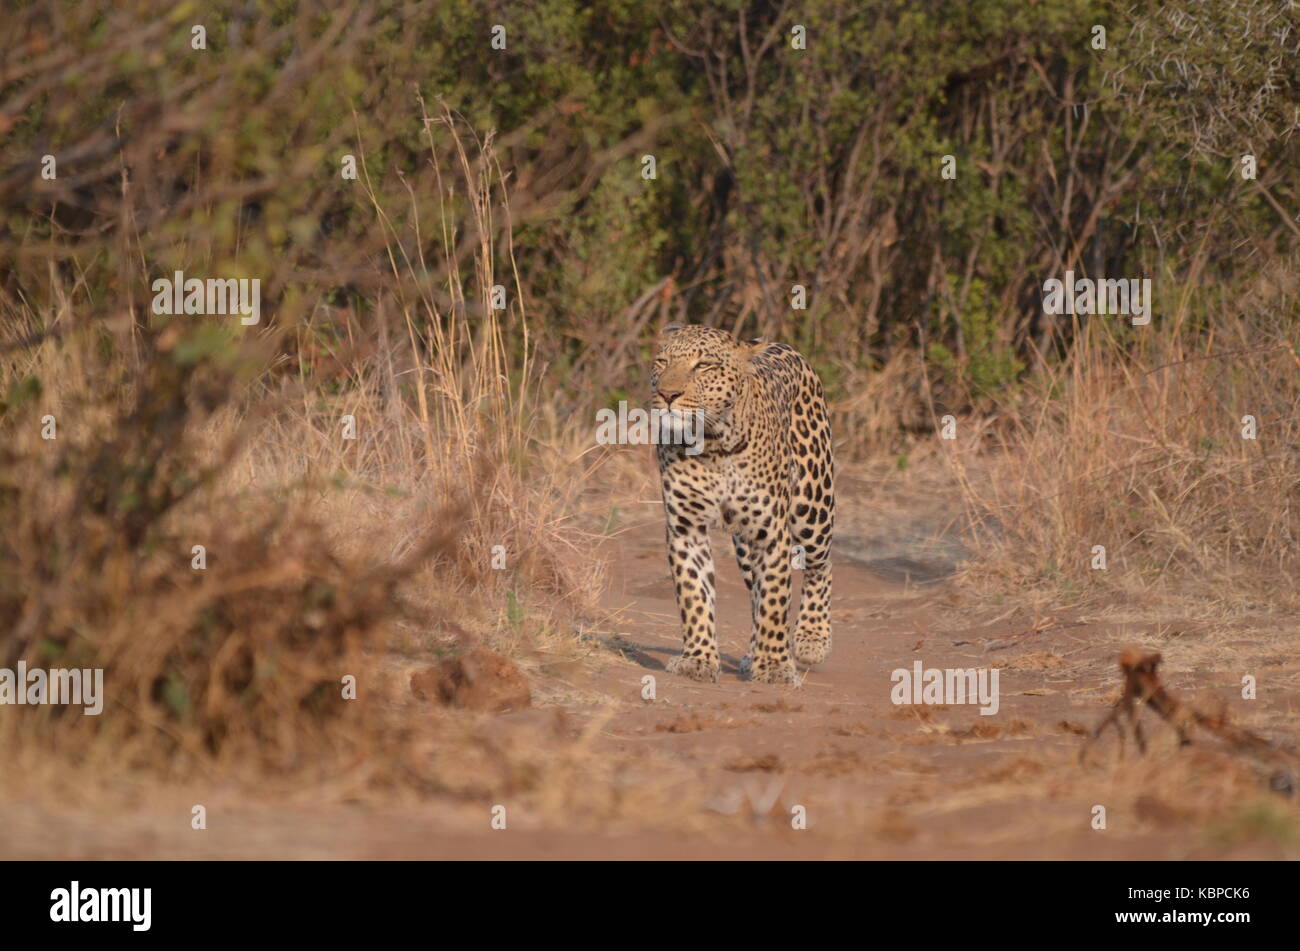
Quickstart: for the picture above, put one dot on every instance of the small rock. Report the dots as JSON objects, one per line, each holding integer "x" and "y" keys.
{"x": 1283, "y": 781}
{"x": 481, "y": 680}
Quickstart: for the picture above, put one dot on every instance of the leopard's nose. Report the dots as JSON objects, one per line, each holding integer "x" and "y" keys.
{"x": 669, "y": 395}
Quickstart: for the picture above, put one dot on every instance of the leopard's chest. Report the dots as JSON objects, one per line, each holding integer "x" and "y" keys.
{"x": 731, "y": 489}
{"x": 727, "y": 496}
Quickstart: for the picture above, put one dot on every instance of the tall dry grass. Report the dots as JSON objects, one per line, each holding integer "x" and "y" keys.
{"x": 1139, "y": 446}
{"x": 444, "y": 392}
{"x": 322, "y": 553}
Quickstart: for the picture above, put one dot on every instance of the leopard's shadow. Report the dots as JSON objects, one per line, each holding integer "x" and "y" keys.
{"x": 656, "y": 656}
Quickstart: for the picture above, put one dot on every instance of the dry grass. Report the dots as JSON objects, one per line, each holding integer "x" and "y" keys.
{"x": 329, "y": 556}
{"x": 322, "y": 553}
{"x": 1140, "y": 450}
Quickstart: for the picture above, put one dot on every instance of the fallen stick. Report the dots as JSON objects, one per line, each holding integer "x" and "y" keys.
{"x": 1142, "y": 685}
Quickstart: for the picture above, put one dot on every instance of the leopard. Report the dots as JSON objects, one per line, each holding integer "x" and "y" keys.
{"x": 746, "y": 448}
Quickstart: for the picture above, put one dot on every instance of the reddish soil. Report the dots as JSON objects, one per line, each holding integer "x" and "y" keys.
{"x": 723, "y": 770}
{"x": 905, "y": 781}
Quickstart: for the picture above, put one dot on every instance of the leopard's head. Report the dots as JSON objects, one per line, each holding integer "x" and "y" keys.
{"x": 699, "y": 371}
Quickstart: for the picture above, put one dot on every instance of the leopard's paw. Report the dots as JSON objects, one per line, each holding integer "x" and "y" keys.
{"x": 769, "y": 670}
{"x": 706, "y": 669}
{"x": 811, "y": 647}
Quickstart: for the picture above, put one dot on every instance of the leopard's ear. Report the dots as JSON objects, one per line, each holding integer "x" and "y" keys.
{"x": 671, "y": 329}
{"x": 745, "y": 350}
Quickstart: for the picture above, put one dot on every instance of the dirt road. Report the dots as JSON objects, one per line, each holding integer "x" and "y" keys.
{"x": 885, "y": 780}
{"x": 829, "y": 768}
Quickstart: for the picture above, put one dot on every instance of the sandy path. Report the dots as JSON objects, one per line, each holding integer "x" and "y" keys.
{"x": 875, "y": 778}
{"x": 724, "y": 770}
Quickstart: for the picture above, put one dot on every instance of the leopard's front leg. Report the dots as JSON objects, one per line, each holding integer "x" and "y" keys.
{"x": 769, "y": 659}
{"x": 691, "y": 561}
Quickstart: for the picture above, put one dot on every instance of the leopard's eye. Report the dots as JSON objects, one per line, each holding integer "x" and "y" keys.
{"x": 707, "y": 365}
